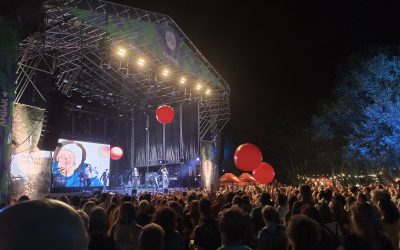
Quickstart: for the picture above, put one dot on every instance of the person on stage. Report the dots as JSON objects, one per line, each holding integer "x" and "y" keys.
{"x": 92, "y": 174}
{"x": 135, "y": 179}
{"x": 156, "y": 181}
{"x": 104, "y": 177}
{"x": 164, "y": 177}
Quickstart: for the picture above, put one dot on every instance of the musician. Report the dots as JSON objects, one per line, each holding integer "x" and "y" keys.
{"x": 104, "y": 177}
{"x": 135, "y": 179}
{"x": 91, "y": 175}
{"x": 164, "y": 177}
{"x": 156, "y": 180}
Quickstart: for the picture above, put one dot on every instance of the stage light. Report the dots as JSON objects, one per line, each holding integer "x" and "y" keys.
{"x": 121, "y": 52}
{"x": 165, "y": 72}
{"x": 141, "y": 62}
{"x": 182, "y": 80}
{"x": 208, "y": 92}
{"x": 199, "y": 86}
{"x": 197, "y": 159}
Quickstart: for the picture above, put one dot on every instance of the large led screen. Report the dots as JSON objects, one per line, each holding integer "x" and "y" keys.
{"x": 80, "y": 164}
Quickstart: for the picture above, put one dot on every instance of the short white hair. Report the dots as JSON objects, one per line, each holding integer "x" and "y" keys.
{"x": 76, "y": 150}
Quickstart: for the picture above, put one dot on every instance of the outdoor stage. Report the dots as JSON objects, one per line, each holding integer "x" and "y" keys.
{"x": 115, "y": 191}
{"x": 93, "y": 77}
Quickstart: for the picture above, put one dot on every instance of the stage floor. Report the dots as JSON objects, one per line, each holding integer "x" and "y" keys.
{"x": 89, "y": 193}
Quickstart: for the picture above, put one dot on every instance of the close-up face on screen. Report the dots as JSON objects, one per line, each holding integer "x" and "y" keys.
{"x": 80, "y": 164}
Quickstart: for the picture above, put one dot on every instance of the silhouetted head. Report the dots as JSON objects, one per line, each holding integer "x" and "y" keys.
{"x": 205, "y": 207}
{"x": 270, "y": 215}
{"x": 42, "y": 225}
{"x": 23, "y": 198}
{"x": 127, "y": 214}
{"x": 98, "y": 221}
{"x": 232, "y": 226}
{"x": 303, "y": 233}
{"x": 166, "y": 218}
{"x": 305, "y": 191}
{"x": 152, "y": 237}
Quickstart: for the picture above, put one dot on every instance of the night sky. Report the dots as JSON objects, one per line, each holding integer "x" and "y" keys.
{"x": 279, "y": 57}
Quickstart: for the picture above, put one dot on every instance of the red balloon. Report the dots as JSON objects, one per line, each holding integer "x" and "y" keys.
{"x": 264, "y": 173}
{"x": 104, "y": 151}
{"x": 116, "y": 153}
{"x": 165, "y": 114}
{"x": 247, "y": 157}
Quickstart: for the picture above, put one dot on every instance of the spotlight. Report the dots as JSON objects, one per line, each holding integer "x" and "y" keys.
{"x": 141, "y": 62}
{"x": 121, "y": 52}
{"x": 197, "y": 159}
{"x": 199, "y": 86}
{"x": 208, "y": 92}
{"x": 165, "y": 72}
{"x": 182, "y": 80}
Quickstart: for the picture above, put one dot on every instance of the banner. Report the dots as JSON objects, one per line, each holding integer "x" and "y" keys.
{"x": 30, "y": 174}
{"x": 9, "y": 41}
{"x": 30, "y": 167}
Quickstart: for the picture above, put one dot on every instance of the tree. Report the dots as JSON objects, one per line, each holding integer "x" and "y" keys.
{"x": 363, "y": 118}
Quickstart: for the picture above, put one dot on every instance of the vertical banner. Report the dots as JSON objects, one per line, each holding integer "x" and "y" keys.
{"x": 209, "y": 170}
{"x": 8, "y": 62}
{"x": 29, "y": 172}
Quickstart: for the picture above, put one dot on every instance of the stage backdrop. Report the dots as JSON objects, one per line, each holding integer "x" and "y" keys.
{"x": 178, "y": 149}
{"x": 30, "y": 172}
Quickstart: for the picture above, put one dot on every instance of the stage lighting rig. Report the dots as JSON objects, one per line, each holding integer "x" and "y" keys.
{"x": 199, "y": 86}
{"x": 121, "y": 52}
{"x": 182, "y": 80}
{"x": 165, "y": 72}
{"x": 141, "y": 62}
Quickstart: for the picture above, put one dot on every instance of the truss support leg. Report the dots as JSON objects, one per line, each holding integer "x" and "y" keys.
{"x": 9, "y": 41}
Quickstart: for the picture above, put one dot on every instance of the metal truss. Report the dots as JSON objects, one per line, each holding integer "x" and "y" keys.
{"x": 79, "y": 56}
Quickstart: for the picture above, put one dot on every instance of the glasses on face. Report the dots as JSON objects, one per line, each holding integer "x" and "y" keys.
{"x": 65, "y": 158}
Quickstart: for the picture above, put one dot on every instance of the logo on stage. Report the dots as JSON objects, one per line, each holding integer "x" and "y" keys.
{"x": 3, "y": 109}
{"x": 171, "y": 40}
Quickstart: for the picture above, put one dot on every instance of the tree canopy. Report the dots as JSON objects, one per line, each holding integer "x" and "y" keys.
{"x": 362, "y": 120}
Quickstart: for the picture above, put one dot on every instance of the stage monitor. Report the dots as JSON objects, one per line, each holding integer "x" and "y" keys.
{"x": 78, "y": 164}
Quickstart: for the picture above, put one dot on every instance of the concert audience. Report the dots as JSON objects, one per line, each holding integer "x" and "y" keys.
{"x": 42, "y": 225}
{"x": 232, "y": 227}
{"x": 144, "y": 217}
{"x": 252, "y": 217}
{"x": 125, "y": 231}
{"x": 152, "y": 237}
{"x": 273, "y": 235}
{"x": 206, "y": 233}
{"x": 166, "y": 218}
{"x": 303, "y": 233}
{"x": 256, "y": 216}
{"x": 99, "y": 240}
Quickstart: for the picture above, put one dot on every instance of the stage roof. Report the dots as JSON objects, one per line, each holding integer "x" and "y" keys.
{"x": 108, "y": 55}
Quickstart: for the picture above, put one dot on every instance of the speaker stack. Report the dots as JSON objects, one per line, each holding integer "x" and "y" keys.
{"x": 53, "y": 120}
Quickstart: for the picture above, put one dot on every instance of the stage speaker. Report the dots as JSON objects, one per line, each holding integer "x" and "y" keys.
{"x": 53, "y": 120}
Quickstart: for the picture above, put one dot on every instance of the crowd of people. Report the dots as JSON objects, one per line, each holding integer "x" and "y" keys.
{"x": 254, "y": 217}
